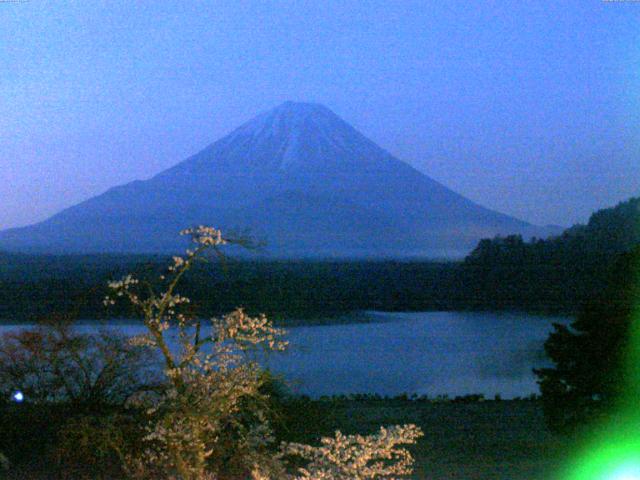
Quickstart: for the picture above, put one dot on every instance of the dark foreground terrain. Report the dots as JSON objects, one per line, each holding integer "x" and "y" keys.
{"x": 488, "y": 440}
{"x": 476, "y": 440}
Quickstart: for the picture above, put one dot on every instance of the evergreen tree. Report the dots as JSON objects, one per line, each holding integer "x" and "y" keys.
{"x": 590, "y": 374}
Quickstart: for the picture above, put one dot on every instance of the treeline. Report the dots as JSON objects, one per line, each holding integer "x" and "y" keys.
{"x": 554, "y": 275}
{"x": 281, "y": 289}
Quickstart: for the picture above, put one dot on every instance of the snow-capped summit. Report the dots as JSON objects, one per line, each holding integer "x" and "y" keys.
{"x": 293, "y": 125}
{"x": 298, "y": 176}
{"x": 295, "y": 136}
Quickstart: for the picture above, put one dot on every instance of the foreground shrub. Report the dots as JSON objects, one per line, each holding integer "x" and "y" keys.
{"x": 75, "y": 385}
{"x": 96, "y": 445}
{"x": 55, "y": 363}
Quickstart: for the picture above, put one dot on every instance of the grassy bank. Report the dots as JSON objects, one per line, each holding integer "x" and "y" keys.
{"x": 489, "y": 440}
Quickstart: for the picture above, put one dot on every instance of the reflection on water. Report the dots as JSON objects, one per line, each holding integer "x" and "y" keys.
{"x": 430, "y": 353}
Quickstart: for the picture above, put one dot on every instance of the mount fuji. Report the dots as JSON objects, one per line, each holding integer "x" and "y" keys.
{"x": 297, "y": 176}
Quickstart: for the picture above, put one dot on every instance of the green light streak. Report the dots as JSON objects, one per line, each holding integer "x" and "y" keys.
{"x": 612, "y": 455}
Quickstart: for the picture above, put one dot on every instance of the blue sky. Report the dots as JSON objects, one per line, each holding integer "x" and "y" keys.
{"x": 530, "y": 108}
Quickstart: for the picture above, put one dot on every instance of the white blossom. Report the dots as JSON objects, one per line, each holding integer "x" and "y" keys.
{"x": 358, "y": 457}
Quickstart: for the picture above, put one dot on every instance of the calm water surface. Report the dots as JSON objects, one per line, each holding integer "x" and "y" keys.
{"x": 430, "y": 353}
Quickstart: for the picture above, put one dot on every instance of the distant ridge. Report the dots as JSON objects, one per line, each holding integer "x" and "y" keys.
{"x": 297, "y": 176}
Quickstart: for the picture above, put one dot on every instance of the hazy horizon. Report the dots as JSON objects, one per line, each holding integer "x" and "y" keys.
{"x": 528, "y": 109}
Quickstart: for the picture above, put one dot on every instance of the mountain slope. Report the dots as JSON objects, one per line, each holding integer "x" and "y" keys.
{"x": 299, "y": 177}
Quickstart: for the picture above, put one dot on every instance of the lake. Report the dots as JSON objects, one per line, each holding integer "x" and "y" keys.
{"x": 424, "y": 353}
